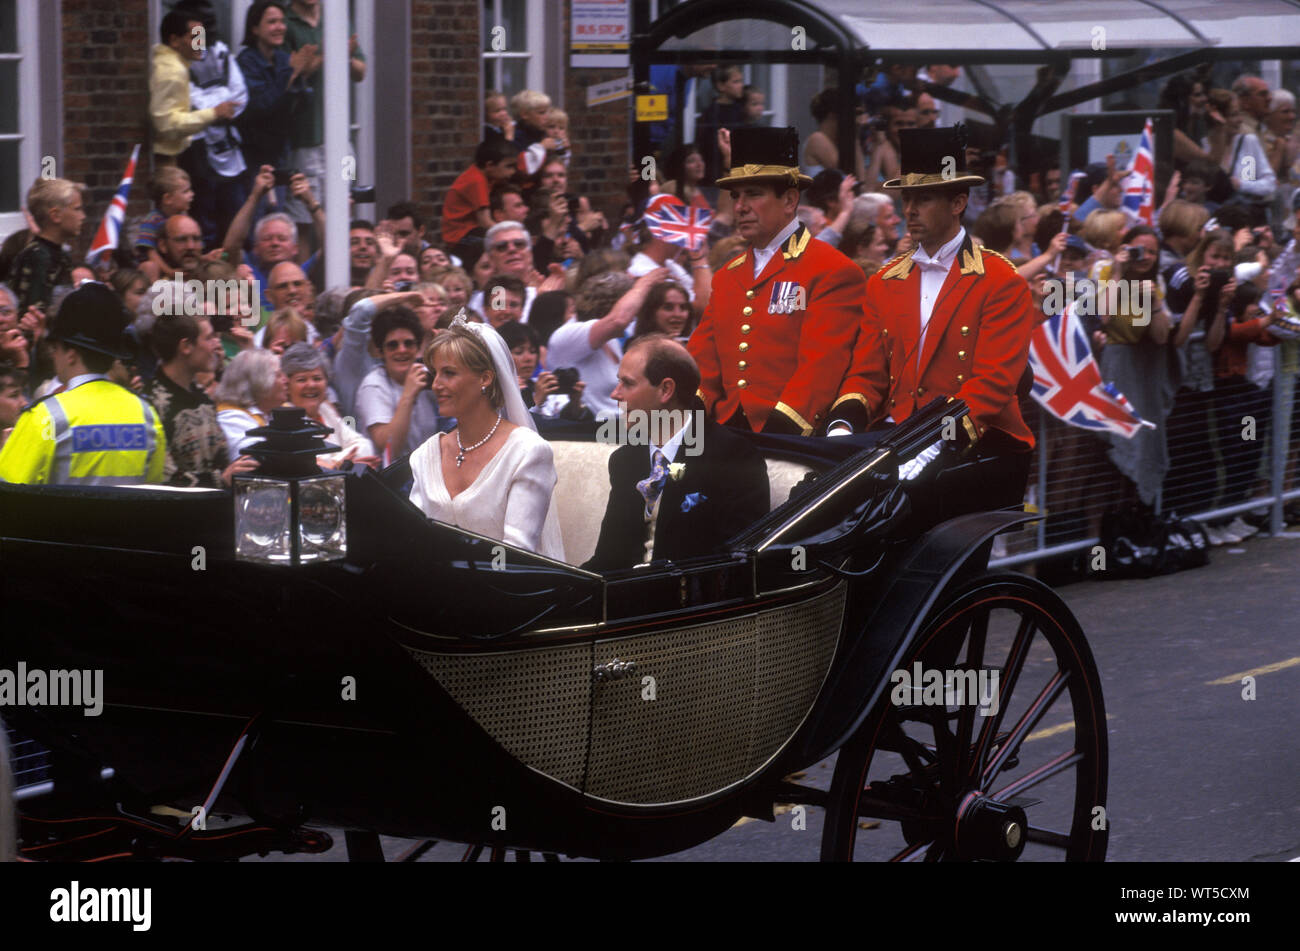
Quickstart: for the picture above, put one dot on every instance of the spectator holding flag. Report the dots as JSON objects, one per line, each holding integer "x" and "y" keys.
{"x": 1137, "y": 358}
{"x": 669, "y": 228}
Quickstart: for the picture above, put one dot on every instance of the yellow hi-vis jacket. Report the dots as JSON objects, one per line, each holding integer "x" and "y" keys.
{"x": 96, "y": 433}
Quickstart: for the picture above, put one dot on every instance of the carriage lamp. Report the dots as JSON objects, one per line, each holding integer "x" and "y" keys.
{"x": 289, "y": 512}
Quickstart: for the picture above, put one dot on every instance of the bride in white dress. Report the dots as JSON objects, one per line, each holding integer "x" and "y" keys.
{"x": 493, "y": 474}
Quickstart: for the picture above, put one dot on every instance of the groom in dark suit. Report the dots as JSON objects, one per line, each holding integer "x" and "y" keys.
{"x": 680, "y": 486}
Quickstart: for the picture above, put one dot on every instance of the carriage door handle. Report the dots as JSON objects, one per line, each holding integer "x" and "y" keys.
{"x": 614, "y": 670}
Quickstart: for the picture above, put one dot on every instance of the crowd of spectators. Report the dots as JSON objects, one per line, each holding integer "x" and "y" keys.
{"x": 235, "y": 192}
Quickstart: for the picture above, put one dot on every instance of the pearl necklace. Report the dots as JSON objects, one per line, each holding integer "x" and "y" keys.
{"x": 460, "y": 456}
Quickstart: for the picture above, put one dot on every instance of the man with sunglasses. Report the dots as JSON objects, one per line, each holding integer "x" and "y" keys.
{"x": 510, "y": 249}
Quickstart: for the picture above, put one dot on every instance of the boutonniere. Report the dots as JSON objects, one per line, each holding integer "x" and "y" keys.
{"x": 693, "y": 499}
{"x": 676, "y": 470}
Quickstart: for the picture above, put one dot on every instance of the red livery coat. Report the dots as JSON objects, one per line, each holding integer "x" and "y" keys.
{"x": 976, "y": 347}
{"x": 781, "y": 367}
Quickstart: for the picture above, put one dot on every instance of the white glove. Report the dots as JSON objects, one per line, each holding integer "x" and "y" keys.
{"x": 913, "y": 467}
{"x": 845, "y": 431}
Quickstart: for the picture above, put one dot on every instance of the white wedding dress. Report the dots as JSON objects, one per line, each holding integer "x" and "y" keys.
{"x": 513, "y": 497}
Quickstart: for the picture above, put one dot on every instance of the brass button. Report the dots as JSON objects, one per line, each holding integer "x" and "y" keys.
{"x": 891, "y": 378}
{"x": 961, "y": 354}
{"x": 920, "y": 391}
{"x": 744, "y": 347}
{"x": 743, "y": 365}
{"x": 745, "y": 328}
{"x": 960, "y": 378}
{"x": 742, "y": 383}
{"x": 747, "y": 311}
{"x": 893, "y": 402}
{"x": 965, "y": 331}
{"x": 884, "y": 332}
{"x": 749, "y": 294}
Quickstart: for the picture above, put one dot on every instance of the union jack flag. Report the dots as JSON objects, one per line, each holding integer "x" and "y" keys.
{"x": 1068, "y": 384}
{"x": 110, "y": 229}
{"x": 1140, "y": 186}
{"x": 670, "y": 220}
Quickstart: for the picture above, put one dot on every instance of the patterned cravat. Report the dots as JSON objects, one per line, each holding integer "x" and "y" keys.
{"x": 651, "y": 488}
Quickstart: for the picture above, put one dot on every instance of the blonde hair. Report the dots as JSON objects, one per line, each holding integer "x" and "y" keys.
{"x": 469, "y": 350}
{"x": 529, "y": 100}
{"x": 167, "y": 179}
{"x": 1103, "y": 228}
{"x": 431, "y": 287}
{"x": 1023, "y": 199}
{"x": 1182, "y": 219}
{"x": 558, "y": 117}
{"x": 51, "y": 193}
{"x": 289, "y": 318}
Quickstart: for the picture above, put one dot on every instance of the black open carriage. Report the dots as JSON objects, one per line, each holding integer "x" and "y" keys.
{"x": 435, "y": 684}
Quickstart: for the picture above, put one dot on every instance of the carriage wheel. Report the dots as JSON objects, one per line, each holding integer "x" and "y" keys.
{"x": 8, "y": 811}
{"x": 1022, "y": 775}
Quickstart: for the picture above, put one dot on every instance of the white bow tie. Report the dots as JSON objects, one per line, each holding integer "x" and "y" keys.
{"x": 930, "y": 265}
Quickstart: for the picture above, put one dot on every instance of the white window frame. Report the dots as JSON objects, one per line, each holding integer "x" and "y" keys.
{"x": 362, "y": 130}
{"x": 29, "y": 117}
{"x": 535, "y": 36}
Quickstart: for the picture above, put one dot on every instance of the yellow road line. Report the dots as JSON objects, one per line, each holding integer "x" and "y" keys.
{"x": 1266, "y": 669}
{"x": 1059, "y": 728}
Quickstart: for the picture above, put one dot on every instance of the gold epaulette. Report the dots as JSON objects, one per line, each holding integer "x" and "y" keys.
{"x": 898, "y": 266}
{"x": 998, "y": 256}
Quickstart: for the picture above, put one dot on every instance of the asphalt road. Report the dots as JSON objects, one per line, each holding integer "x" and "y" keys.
{"x": 1197, "y": 772}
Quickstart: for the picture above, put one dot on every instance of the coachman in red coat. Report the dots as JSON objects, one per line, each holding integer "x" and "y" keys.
{"x": 948, "y": 318}
{"x": 773, "y": 346}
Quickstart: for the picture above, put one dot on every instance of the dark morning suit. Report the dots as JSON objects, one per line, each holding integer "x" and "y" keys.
{"x": 729, "y": 475}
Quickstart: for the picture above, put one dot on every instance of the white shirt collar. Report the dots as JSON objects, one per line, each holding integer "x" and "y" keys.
{"x": 945, "y": 255}
{"x": 763, "y": 255}
{"x": 670, "y": 448}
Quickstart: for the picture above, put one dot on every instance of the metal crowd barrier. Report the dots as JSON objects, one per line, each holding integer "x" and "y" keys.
{"x": 1073, "y": 483}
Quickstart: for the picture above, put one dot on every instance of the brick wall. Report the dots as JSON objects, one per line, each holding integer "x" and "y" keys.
{"x": 599, "y": 136}
{"x": 105, "y": 101}
{"x": 446, "y": 111}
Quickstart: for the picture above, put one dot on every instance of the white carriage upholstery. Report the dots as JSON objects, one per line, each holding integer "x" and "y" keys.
{"x": 582, "y": 490}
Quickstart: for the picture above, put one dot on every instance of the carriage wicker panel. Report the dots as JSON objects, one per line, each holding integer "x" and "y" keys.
{"x": 534, "y": 702}
{"x": 727, "y": 697}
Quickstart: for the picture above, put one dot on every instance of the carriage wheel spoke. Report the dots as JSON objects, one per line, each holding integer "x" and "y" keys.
{"x": 1042, "y": 703}
{"x": 910, "y": 854}
{"x": 1006, "y": 683}
{"x": 1049, "y": 769}
{"x": 1057, "y": 840}
{"x": 966, "y": 720}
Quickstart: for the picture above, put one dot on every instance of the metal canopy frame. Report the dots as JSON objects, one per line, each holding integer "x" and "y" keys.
{"x": 832, "y": 42}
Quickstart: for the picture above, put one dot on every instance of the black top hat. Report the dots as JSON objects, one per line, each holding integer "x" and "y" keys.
{"x": 763, "y": 153}
{"x": 92, "y": 318}
{"x": 933, "y": 157}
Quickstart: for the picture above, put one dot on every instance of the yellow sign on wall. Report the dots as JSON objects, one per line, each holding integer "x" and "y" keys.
{"x": 651, "y": 108}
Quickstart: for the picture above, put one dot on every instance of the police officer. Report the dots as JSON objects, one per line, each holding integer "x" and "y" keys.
{"x": 91, "y": 431}
{"x": 776, "y": 337}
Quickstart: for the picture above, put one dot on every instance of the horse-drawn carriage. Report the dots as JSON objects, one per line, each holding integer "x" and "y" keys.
{"x": 320, "y": 653}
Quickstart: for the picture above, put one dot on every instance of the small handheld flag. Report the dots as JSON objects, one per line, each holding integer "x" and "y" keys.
{"x": 110, "y": 229}
{"x": 669, "y": 219}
